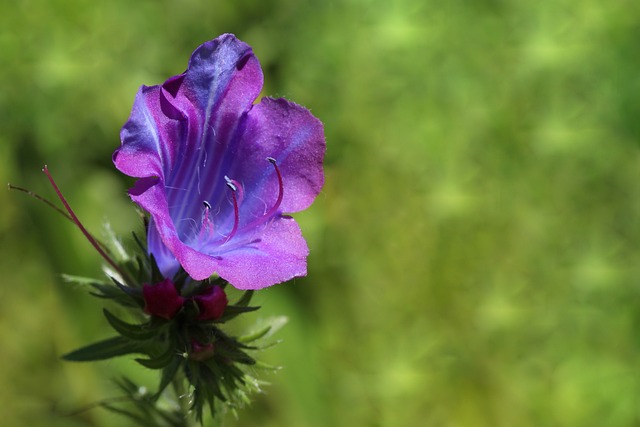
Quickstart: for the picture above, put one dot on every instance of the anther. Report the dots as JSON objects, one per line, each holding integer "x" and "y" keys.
{"x": 207, "y": 226}
{"x": 230, "y": 184}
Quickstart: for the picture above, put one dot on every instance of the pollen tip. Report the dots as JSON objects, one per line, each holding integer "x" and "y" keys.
{"x": 206, "y": 204}
{"x": 271, "y": 160}
{"x": 230, "y": 183}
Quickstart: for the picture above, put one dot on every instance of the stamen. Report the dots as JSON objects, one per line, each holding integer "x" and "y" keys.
{"x": 275, "y": 207}
{"x": 230, "y": 183}
{"x": 206, "y": 227}
{"x": 236, "y": 214}
{"x": 77, "y": 222}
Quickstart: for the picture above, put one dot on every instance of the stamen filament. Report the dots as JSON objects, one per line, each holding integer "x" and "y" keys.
{"x": 275, "y": 207}
{"x": 206, "y": 227}
{"x": 236, "y": 213}
{"x": 77, "y": 222}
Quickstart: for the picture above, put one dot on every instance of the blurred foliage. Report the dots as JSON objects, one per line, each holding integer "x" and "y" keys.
{"x": 474, "y": 254}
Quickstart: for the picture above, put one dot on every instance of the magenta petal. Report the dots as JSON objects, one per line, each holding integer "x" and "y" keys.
{"x": 144, "y": 147}
{"x": 162, "y": 299}
{"x": 291, "y": 135}
{"x": 279, "y": 255}
{"x": 212, "y": 303}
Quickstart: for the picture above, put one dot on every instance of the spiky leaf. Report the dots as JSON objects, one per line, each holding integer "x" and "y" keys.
{"x": 105, "y": 349}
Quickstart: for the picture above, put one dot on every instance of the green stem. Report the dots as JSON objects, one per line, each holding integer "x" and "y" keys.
{"x": 183, "y": 401}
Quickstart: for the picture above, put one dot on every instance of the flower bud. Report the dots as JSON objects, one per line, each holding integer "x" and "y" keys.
{"x": 201, "y": 351}
{"x": 162, "y": 299}
{"x": 211, "y": 303}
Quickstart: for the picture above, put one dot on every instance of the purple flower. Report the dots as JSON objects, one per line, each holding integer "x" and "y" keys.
{"x": 217, "y": 172}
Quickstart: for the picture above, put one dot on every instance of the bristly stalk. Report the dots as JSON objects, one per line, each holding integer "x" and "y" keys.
{"x": 42, "y": 199}
{"x": 84, "y": 231}
{"x": 183, "y": 402}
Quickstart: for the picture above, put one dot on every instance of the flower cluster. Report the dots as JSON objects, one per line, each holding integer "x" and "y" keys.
{"x": 217, "y": 175}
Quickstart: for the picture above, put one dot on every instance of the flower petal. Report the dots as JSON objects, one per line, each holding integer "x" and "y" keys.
{"x": 279, "y": 255}
{"x": 291, "y": 135}
{"x": 223, "y": 80}
{"x": 175, "y": 121}
{"x": 143, "y": 150}
{"x": 150, "y": 194}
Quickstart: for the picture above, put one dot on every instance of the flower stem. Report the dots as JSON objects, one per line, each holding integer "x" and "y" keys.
{"x": 84, "y": 231}
{"x": 183, "y": 401}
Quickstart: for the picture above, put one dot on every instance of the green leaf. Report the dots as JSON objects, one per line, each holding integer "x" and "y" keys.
{"x": 106, "y": 349}
{"x": 84, "y": 281}
{"x": 168, "y": 373}
{"x": 139, "y": 419}
{"x": 134, "y": 332}
{"x": 161, "y": 361}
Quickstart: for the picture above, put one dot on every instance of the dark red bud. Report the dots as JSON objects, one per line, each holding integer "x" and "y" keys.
{"x": 211, "y": 303}
{"x": 162, "y": 299}
{"x": 200, "y": 352}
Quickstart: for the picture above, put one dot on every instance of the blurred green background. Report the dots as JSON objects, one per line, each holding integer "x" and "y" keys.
{"x": 474, "y": 253}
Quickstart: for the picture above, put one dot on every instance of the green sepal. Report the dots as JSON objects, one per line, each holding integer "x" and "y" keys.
{"x": 233, "y": 352}
{"x": 212, "y": 377}
{"x": 255, "y": 335}
{"x": 134, "y": 294}
{"x": 156, "y": 275}
{"x": 233, "y": 311}
{"x": 105, "y": 349}
{"x": 245, "y": 299}
{"x": 134, "y": 332}
{"x": 141, "y": 246}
